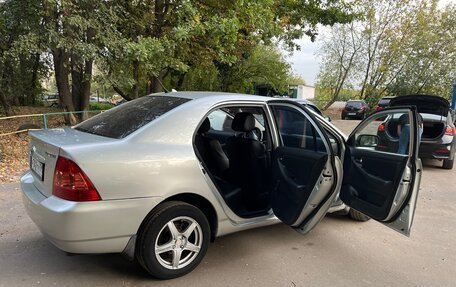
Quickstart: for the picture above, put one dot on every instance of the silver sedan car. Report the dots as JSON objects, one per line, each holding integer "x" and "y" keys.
{"x": 160, "y": 177}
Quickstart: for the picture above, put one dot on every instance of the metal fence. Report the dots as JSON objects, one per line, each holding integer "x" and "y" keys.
{"x": 35, "y": 119}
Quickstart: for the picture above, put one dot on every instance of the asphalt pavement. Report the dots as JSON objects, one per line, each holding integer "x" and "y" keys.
{"x": 338, "y": 252}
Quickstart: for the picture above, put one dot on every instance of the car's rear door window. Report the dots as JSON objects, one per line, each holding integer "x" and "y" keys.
{"x": 129, "y": 117}
{"x": 296, "y": 130}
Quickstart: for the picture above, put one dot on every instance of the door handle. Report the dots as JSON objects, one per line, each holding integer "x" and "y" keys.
{"x": 359, "y": 160}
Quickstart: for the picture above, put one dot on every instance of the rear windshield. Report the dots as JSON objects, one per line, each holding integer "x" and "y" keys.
{"x": 127, "y": 118}
{"x": 354, "y": 104}
{"x": 384, "y": 102}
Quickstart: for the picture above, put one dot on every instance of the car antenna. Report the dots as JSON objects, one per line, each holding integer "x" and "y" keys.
{"x": 160, "y": 82}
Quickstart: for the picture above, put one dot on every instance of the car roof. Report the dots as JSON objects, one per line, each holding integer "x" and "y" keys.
{"x": 193, "y": 95}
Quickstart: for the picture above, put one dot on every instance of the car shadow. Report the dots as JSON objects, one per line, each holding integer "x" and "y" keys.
{"x": 432, "y": 163}
{"x": 41, "y": 257}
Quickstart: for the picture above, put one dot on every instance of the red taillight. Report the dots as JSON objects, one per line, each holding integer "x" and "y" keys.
{"x": 71, "y": 183}
{"x": 450, "y": 131}
{"x": 379, "y": 108}
{"x": 381, "y": 128}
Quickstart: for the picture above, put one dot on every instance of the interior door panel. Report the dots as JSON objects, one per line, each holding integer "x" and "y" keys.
{"x": 295, "y": 173}
{"x": 371, "y": 180}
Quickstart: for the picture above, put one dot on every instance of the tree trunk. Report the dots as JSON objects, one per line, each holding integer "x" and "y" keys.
{"x": 34, "y": 81}
{"x": 156, "y": 83}
{"x": 21, "y": 88}
{"x": 328, "y": 104}
{"x": 77, "y": 76}
{"x": 135, "y": 90}
{"x": 80, "y": 88}
{"x": 122, "y": 93}
{"x": 180, "y": 81}
{"x": 85, "y": 88}
{"x": 6, "y": 107}
{"x": 61, "y": 62}
{"x": 87, "y": 80}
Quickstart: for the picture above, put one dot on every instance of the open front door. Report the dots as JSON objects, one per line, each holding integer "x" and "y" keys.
{"x": 381, "y": 169}
{"x": 305, "y": 170}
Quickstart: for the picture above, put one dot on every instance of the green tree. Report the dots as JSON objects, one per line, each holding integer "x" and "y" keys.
{"x": 137, "y": 45}
{"x": 340, "y": 52}
{"x": 431, "y": 54}
{"x": 402, "y": 47}
{"x": 21, "y": 64}
{"x": 169, "y": 39}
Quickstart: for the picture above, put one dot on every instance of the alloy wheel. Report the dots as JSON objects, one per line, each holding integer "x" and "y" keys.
{"x": 178, "y": 242}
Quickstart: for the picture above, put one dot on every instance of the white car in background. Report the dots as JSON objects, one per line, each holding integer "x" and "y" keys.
{"x": 94, "y": 99}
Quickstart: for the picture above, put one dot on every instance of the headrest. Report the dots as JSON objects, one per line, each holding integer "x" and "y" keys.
{"x": 243, "y": 122}
{"x": 205, "y": 126}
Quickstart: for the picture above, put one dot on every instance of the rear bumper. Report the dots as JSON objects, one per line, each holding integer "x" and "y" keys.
{"x": 443, "y": 148}
{"x": 85, "y": 227}
{"x": 436, "y": 150}
{"x": 352, "y": 114}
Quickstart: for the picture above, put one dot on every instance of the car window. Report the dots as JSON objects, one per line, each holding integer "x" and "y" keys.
{"x": 354, "y": 104}
{"x": 388, "y": 134}
{"x": 222, "y": 119}
{"x": 127, "y": 118}
{"x": 315, "y": 109}
{"x": 384, "y": 101}
{"x": 296, "y": 130}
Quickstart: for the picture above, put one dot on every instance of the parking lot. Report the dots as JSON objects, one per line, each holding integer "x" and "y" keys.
{"x": 339, "y": 252}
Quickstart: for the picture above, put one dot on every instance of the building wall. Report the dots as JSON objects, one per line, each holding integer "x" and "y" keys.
{"x": 306, "y": 92}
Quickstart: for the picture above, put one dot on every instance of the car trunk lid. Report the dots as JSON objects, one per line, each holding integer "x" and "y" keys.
{"x": 45, "y": 148}
{"x": 425, "y": 104}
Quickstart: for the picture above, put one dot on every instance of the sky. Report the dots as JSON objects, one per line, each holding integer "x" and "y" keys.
{"x": 305, "y": 62}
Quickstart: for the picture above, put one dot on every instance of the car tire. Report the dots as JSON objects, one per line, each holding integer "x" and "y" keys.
{"x": 342, "y": 117}
{"x": 448, "y": 163}
{"x": 358, "y": 216}
{"x": 167, "y": 228}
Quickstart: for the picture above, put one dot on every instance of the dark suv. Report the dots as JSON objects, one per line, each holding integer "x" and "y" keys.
{"x": 438, "y": 140}
{"x": 355, "y": 109}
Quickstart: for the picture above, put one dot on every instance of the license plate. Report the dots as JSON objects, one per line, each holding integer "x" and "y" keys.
{"x": 351, "y": 114}
{"x": 37, "y": 167}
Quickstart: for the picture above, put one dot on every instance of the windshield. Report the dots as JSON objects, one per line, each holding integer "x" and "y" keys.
{"x": 354, "y": 104}
{"x": 384, "y": 102}
{"x": 127, "y": 118}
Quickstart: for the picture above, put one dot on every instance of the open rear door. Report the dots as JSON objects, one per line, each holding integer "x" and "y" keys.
{"x": 381, "y": 169}
{"x": 306, "y": 174}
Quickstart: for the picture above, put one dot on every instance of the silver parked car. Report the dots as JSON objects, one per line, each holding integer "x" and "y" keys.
{"x": 160, "y": 177}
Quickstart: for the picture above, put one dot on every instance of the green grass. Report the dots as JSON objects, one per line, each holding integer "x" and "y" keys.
{"x": 100, "y": 106}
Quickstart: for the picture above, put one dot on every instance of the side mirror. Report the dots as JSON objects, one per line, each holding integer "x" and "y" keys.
{"x": 327, "y": 118}
{"x": 367, "y": 140}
